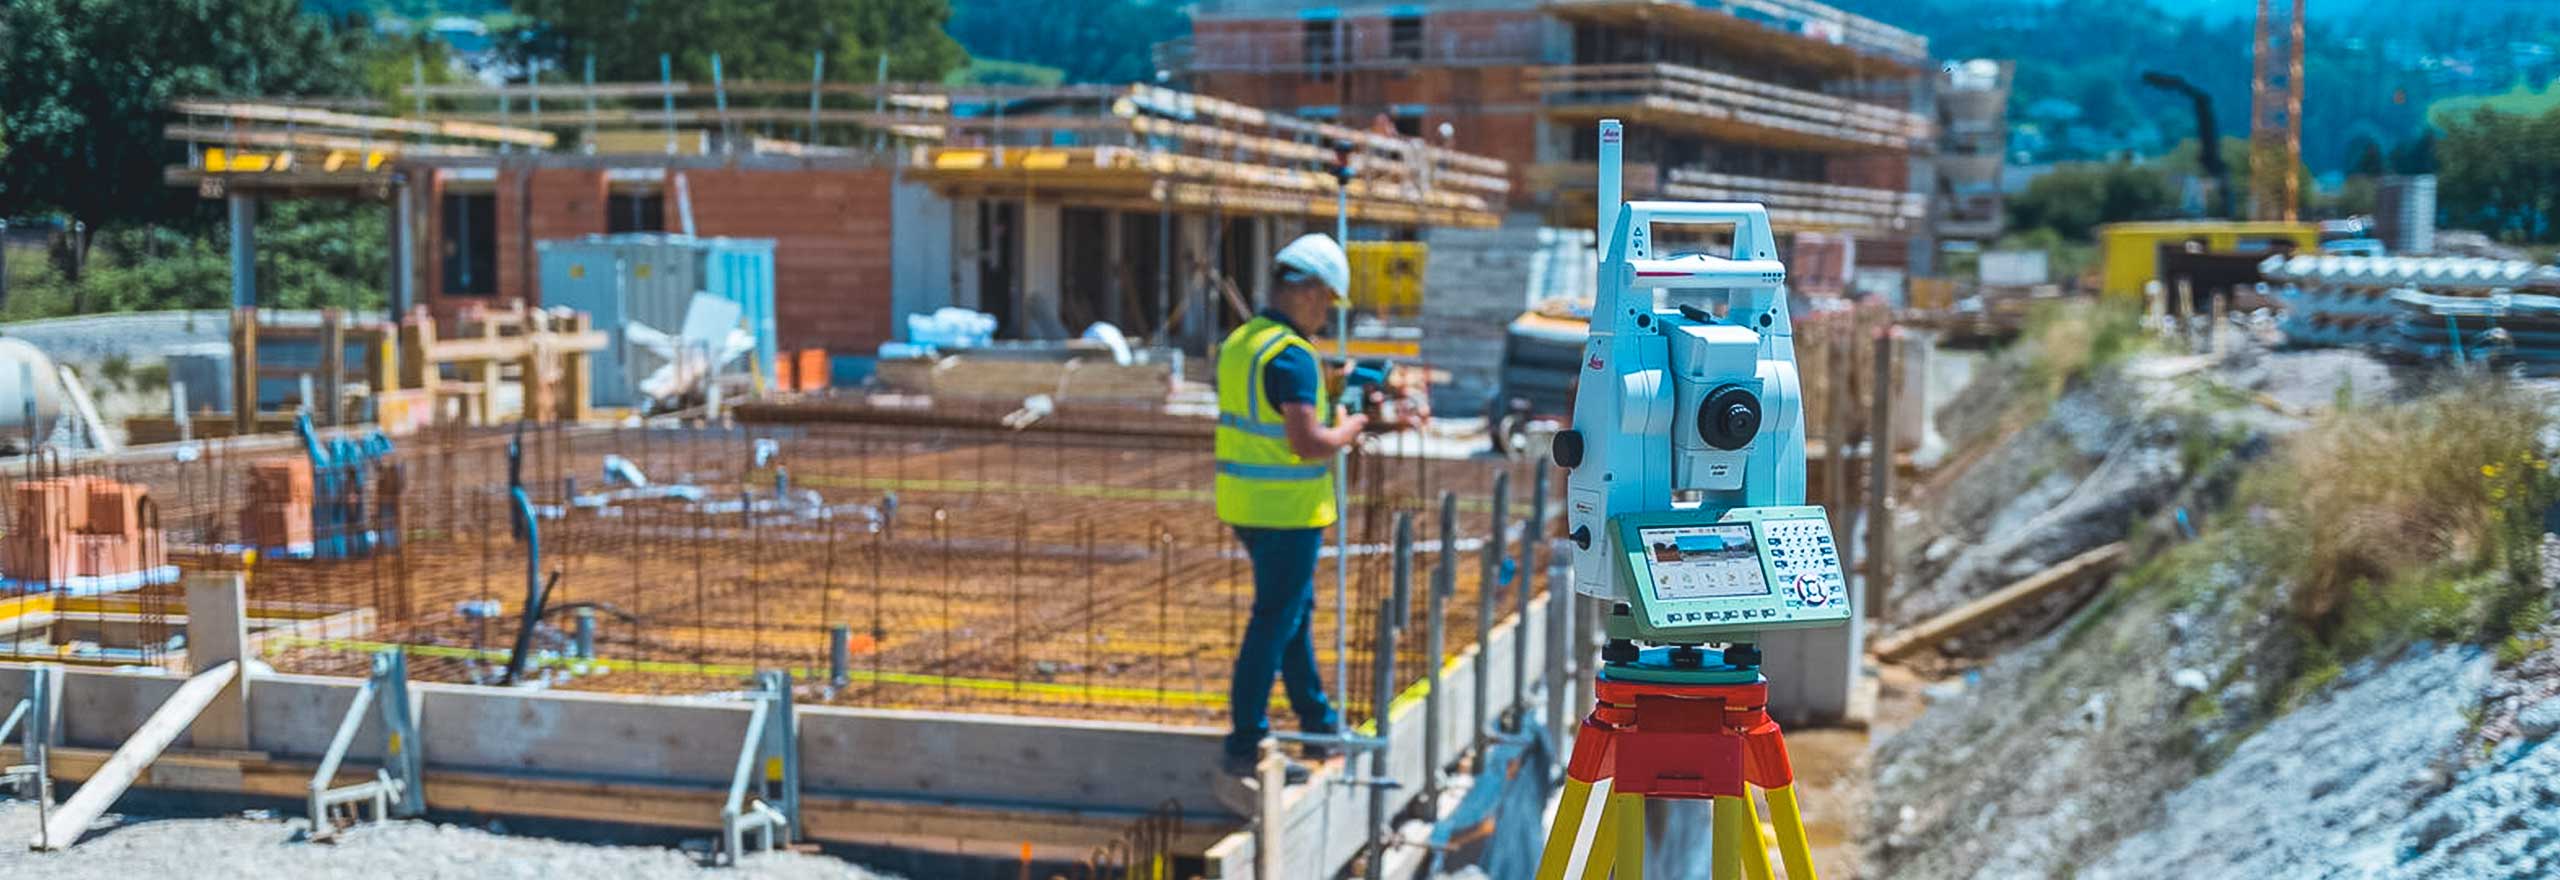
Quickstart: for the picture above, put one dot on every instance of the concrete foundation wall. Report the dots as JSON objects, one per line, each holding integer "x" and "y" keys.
{"x": 940, "y": 757}
{"x": 1326, "y": 823}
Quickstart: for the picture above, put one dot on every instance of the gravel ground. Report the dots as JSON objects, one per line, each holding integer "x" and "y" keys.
{"x": 2326, "y": 790}
{"x": 131, "y": 847}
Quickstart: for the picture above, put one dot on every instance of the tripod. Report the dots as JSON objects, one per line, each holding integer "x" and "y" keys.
{"x": 1682, "y": 730}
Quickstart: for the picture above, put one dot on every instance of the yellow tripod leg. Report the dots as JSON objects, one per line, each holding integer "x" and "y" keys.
{"x": 1625, "y": 819}
{"x": 1754, "y": 849}
{"x": 1730, "y": 837}
{"x": 1569, "y": 830}
{"x": 1789, "y": 820}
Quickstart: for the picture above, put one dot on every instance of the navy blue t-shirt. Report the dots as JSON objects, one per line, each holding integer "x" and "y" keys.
{"x": 1292, "y": 375}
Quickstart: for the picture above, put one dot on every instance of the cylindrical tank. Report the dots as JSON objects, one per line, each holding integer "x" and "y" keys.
{"x": 26, "y": 374}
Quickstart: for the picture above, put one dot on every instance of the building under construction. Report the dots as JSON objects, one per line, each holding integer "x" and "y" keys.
{"x": 1824, "y": 116}
{"x": 1049, "y": 208}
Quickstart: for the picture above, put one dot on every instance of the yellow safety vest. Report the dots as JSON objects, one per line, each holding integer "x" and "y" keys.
{"x": 1261, "y": 483}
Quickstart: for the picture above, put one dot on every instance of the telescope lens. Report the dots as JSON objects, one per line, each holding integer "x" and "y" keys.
{"x": 1729, "y": 417}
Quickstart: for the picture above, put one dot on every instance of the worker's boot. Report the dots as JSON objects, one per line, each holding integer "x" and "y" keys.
{"x": 1292, "y": 772}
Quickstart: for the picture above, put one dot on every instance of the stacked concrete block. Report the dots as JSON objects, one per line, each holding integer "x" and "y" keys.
{"x": 278, "y": 515}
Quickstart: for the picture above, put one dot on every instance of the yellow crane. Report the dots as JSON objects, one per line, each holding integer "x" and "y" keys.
{"x": 2275, "y": 112}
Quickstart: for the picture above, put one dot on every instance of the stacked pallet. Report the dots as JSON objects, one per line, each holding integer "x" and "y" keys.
{"x": 77, "y": 528}
{"x": 278, "y": 516}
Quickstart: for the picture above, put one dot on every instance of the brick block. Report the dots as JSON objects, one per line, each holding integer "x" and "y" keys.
{"x": 38, "y": 557}
{"x": 280, "y": 480}
{"x": 115, "y": 508}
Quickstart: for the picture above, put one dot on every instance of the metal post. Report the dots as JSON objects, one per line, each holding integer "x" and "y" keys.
{"x": 404, "y": 251}
{"x": 720, "y": 101}
{"x": 1880, "y": 480}
{"x": 44, "y": 714}
{"x": 1559, "y": 688}
{"x": 1403, "y": 582}
{"x": 839, "y": 656}
{"x": 1444, "y": 583}
{"x": 588, "y": 143}
{"x": 178, "y": 411}
{"x": 1527, "y": 572}
{"x": 1486, "y": 581}
{"x": 4, "y": 262}
{"x": 586, "y": 644}
{"x": 1383, "y": 718}
{"x": 244, "y": 251}
{"x": 1342, "y": 461}
{"x": 667, "y": 98}
{"x": 817, "y": 76}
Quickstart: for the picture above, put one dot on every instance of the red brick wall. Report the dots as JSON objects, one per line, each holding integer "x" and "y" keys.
{"x": 831, "y": 247}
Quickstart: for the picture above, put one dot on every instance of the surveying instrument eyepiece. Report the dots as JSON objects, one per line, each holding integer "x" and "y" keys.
{"x": 1685, "y": 506}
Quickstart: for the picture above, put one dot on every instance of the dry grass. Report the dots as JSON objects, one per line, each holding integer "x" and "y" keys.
{"x": 2068, "y": 341}
{"x": 2417, "y": 519}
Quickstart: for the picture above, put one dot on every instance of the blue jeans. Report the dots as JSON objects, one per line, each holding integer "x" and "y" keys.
{"x": 1280, "y": 638}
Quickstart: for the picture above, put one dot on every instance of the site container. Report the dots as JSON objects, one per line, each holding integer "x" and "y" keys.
{"x": 650, "y": 278}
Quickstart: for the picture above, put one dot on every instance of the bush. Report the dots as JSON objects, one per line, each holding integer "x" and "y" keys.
{"x": 2067, "y": 341}
{"x": 2416, "y": 520}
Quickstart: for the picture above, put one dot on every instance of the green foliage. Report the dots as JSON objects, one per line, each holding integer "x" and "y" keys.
{"x": 86, "y": 86}
{"x": 2073, "y": 199}
{"x": 2500, "y": 172}
{"x": 1106, "y": 41}
{"x": 992, "y": 72}
{"x": 310, "y": 254}
{"x": 392, "y": 64}
{"x": 2522, "y": 100}
{"x": 2069, "y": 341}
{"x": 755, "y": 40}
{"x": 2415, "y": 520}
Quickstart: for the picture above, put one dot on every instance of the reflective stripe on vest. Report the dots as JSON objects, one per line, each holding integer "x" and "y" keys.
{"x": 1261, "y": 481}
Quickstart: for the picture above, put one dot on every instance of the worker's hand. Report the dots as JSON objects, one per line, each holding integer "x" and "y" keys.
{"x": 1349, "y": 422}
{"x": 1412, "y": 412}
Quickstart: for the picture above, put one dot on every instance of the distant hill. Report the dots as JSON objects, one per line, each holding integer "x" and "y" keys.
{"x": 2372, "y": 68}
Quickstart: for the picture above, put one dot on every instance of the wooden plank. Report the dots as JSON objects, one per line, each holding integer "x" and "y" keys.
{"x": 263, "y": 112}
{"x": 1929, "y": 633}
{"x": 508, "y": 348}
{"x": 111, "y": 780}
{"x": 290, "y": 139}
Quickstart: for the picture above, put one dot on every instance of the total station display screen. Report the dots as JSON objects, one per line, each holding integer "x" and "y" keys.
{"x": 1704, "y": 562}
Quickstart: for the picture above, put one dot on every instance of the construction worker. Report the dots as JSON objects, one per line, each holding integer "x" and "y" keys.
{"x": 1277, "y": 433}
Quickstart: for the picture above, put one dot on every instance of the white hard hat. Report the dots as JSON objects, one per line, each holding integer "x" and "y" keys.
{"x": 1316, "y": 256}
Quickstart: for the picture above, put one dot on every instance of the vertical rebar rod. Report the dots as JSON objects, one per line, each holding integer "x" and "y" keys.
{"x": 1489, "y": 578}
{"x": 1435, "y": 643}
{"x": 942, "y": 534}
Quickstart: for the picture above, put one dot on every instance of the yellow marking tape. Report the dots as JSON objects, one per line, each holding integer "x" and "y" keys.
{"x": 1125, "y": 695}
{"x": 1081, "y": 490}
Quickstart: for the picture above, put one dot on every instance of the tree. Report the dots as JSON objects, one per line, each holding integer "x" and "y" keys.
{"x": 2074, "y": 198}
{"x": 86, "y": 88}
{"x": 755, "y": 40}
{"x": 1106, "y": 41}
{"x": 2500, "y": 172}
